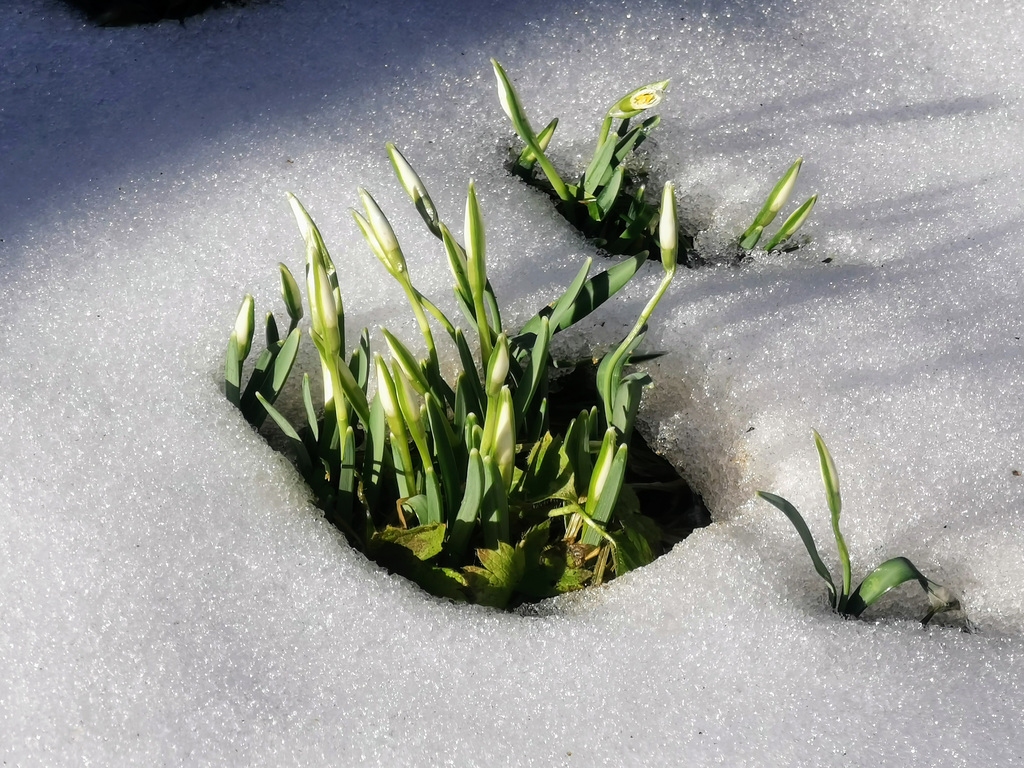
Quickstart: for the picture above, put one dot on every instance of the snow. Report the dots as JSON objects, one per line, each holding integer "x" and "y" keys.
{"x": 169, "y": 595}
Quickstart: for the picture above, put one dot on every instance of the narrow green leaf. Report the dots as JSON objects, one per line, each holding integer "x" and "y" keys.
{"x": 307, "y": 401}
{"x": 532, "y": 375}
{"x": 435, "y": 500}
{"x": 305, "y": 463}
{"x": 609, "y": 195}
{"x": 474, "y": 392}
{"x": 793, "y": 223}
{"x": 494, "y": 521}
{"x": 444, "y": 442}
{"x": 283, "y": 364}
{"x": 593, "y": 294}
{"x": 599, "y": 171}
{"x": 376, "y": 438}
{"x": 469, "y": 510}
{"x": 233, "y": 373}
{"x": 270, "y": 331}
{"x": 604, "y": 488}
{"x": 808, "y": 539}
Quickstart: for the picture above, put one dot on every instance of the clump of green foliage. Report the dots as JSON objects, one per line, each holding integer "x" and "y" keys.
{"x": 607, "y": 203}
{"x": 467, "y": 486}
{"x": 889, "y": 574}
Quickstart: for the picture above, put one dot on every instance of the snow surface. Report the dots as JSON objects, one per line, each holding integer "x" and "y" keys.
{"x": 168, "y": 595}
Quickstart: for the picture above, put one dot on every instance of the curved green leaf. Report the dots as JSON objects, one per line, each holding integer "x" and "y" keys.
{"x": 805, "y": 535}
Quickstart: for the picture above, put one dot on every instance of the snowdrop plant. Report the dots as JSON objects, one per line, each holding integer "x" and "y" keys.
{"x": 464, "y": 486}
{"x": 892, "y": 573}
{"x": 781, "y": 240}
{"x": 607, "y": 203}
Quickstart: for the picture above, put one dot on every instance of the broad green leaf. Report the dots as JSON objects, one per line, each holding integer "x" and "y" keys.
{"x": 891, "y": 574}
{"x": 808, "y": 539}
{"x": 494, "y": 583}
{"x": 424, "y": 541}
{"x": 631, "y": 551}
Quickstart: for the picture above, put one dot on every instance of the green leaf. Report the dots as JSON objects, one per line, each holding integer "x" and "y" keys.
{"x": 793, "y": 223}
{"x": 609, "y": 195}
{"x": 469, "y": 511}
{"x": 494, "y": 515}
{"x": 435, "y": 501}
{"x": 527, "y": 158}
{"x": 631, "y": 551}
{"x": 605, "y": 486}
{"x": 376, "y": 432}
{"x": 609, "y": 372}
{"x": 634, "y": 138}
{"x": 534, "y": 373}
{"x": 808, "y": 539}
{"x": 283, "y": 363}
{"x": 444, "y": 442}
{"x": 424, "y": 541}
{"x": 494, "y": 583}
{"x": 750, "y": 238}
{"x": 563, "y": 306}
{"x": 270, "y": 330}
{"x": 474, "y": 388}
{"x": 305, "y": 463}
{"x": 891, "y": 574}
{"x": 307, "y": 401}
{"x": 599, "y": 171}
{"x": 233, "y": 373}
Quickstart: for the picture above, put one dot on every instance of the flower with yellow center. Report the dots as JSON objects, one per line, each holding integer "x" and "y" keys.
{"x": 639, "y": 100}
